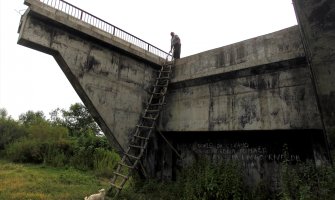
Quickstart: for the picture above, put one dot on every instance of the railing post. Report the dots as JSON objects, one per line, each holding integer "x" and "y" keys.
{"x": 101, "y": 24}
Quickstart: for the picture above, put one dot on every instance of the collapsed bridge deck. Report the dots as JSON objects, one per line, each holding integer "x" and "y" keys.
{"x": 261, "y": 85}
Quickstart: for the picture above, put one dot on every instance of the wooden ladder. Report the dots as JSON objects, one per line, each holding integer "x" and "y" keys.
{"x": 138, "y": 143}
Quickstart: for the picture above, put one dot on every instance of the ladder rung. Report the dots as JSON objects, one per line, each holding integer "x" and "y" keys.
{"x": 152, "y": 111}
{"x": 131, "y": 156}
{"x": 156, "y": 104}
{"x": 151, "y": 118}
{"x": 118, "y": 174}
{"x": 116, "y": 186}
{"x": 157, "y": 93}
{"x": 162, "y": 81}
{"x": 158, "y": 90}
{"x": 163, "y": 78}
{"x": 164, "y": 71}
{"x": 136, "y": 146}
{"x": 140, "y": 137}
{"x": 147, "y": 127}
{"x": 157, "y": 96}
{"x": 164, "y": 85}
{"x": 122, "y": 164}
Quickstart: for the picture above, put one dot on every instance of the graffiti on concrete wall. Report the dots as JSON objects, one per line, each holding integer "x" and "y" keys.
{"x": 242, "y": 151}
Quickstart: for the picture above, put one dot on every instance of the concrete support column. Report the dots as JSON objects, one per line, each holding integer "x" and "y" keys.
{"x": 317, "y": 26}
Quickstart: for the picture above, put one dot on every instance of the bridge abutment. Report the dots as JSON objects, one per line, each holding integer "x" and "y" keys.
{"x": 243, "y": 101}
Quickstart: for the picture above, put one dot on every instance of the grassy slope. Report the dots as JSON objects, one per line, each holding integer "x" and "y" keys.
{"x": 37, "y": 182}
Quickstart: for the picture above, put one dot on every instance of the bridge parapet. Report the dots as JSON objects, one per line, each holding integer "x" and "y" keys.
{"x": 111, "y": 75}
{"x": 64, "y": 13}
{"x": 262, "y": 83}
{"x": 262, "y": 50}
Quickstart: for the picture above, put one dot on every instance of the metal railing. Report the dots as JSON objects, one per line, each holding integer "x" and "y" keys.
{"x": 103, "y": 25}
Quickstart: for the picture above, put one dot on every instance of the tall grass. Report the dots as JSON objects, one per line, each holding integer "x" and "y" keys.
{"x": 208, "y": 181}
{"x": 203, "y": 180}
{"x": 52, "y": 146}
{"x": 306, "y": 181}
{"x": 38, "y": 182}
{"x": 104, "y": 162}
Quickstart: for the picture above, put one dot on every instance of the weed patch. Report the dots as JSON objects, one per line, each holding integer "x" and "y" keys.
{"x": 27, "y": 181}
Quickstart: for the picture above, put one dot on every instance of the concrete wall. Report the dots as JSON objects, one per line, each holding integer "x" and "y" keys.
{"x": 317, "y": 25}
{"x": 251, "y": 95}
{"x": 258, "y": 152}
{"x": 111, "y": 76}
{"x": 259, "y": 84}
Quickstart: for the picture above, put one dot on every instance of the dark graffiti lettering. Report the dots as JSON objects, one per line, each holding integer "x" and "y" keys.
{"x": 241, "y": 151}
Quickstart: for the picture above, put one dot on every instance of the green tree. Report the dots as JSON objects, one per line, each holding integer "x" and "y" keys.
{"x": 31, "y": 118}
{"x": 79, "y": 121}
{"x": 56, "y": 117}
{"x": 10, "y": 130}
{"x": 3, "y": 113}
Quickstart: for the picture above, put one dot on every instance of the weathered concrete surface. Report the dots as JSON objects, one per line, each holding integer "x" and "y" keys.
{"x": 270, "y": 48}
{"x": 317, "y": 24}
{"x": 258, "y": 84}
{"x": 111, "y": 76}
{"x": 246, "y": 99}
{"x": 258, "y": 152}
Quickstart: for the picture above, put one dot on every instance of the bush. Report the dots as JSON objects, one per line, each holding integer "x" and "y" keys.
{"x": 41, "y": 143}
{"x": 104, "y": 161}
{"x": 306, "y": 181}
{"x": 207, "y": 181}
{"x": 51, "y": 145}
{"x": 151, "y": 190}
{"x": 58, "y": 153}
{"x": 47, "y": 132}
{"x": 34, "y": 139}
{"x": 10, "y": 130}
{"x": 93, "y": 153}
{"x": 82, "y": 159}
{"x": 201, "y": 181}
{"x": 223, "y": 181}
{"x": 25, "y": 150}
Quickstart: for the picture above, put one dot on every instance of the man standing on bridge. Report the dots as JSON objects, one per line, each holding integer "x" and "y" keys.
{"x": 175, "y": 45}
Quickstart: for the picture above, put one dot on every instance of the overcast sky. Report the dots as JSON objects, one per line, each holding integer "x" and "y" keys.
{"x": 31, "y": 80}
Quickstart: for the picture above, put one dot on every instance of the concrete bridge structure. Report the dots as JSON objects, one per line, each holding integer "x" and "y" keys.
{"x": 242, "y": 101}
